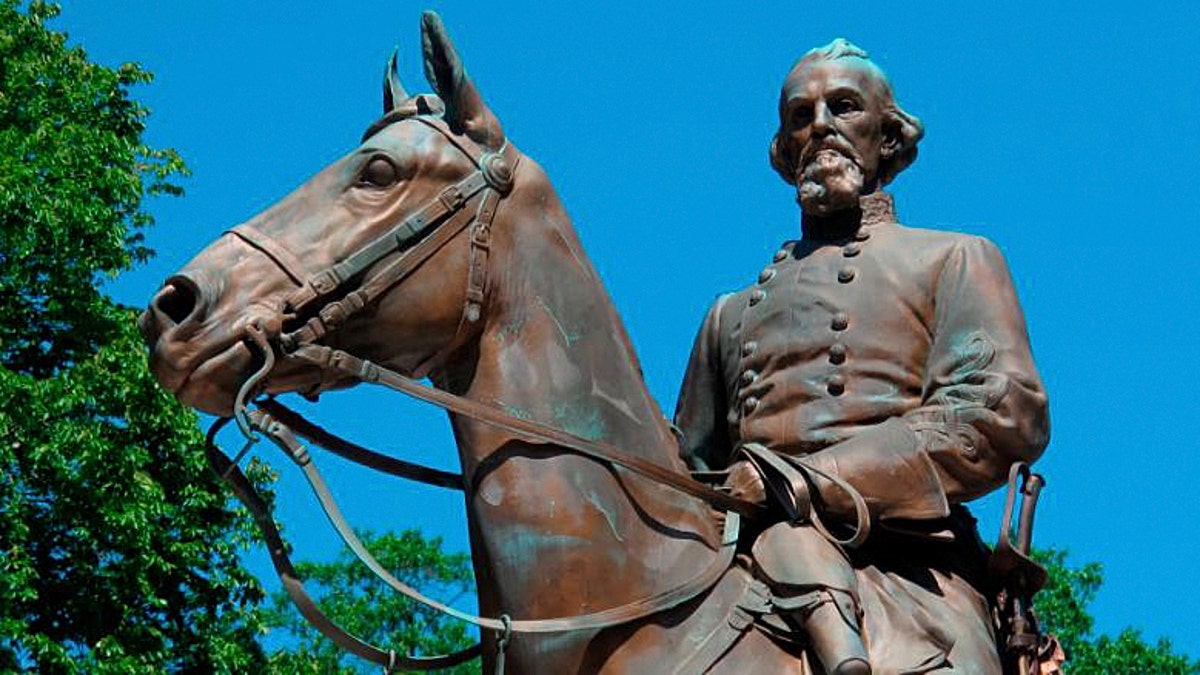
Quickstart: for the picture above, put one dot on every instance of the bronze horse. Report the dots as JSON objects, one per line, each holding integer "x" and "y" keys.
{"x": 513, "y": 318}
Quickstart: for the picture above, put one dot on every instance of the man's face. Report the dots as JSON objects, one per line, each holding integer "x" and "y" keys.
{"x": 833, "y": 121}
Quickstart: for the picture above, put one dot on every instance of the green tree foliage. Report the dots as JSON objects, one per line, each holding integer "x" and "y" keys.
{"x": 351, "y": 595}
{"x": 73, "y": 172}
{"x": 1062, "y": 608}
{"x": 118, "y": 552}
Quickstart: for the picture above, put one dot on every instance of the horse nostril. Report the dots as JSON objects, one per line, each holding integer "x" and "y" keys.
{"x": 177, "y": 299}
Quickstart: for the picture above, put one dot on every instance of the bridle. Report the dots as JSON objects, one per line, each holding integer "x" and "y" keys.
{"x": 314, "y": 302}
{"x": 417, "y": 238}
{"x": 491, "y": 181}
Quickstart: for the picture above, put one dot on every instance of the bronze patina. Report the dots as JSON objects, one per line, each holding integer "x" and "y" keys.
{"x": 892, "y": 357}
{"x": 510, "y": 321}
{"x": 885, "y": 384}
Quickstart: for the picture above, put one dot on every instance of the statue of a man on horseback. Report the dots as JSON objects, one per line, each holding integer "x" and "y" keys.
{"x": 872, "y": 367}
{"x": 874, "y": 379}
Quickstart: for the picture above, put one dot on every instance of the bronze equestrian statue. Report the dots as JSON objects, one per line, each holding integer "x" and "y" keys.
{"x": 892, "y": 357}
{"x": 436, "y": 248}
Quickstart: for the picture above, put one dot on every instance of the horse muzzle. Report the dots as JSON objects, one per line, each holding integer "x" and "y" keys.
{"x": 200, "y": 358}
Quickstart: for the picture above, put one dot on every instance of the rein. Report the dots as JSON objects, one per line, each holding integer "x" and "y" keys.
{"x": 490, "y": 183}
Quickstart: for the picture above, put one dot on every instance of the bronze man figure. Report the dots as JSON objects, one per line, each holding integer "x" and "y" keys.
{"x": 892, "y": 358}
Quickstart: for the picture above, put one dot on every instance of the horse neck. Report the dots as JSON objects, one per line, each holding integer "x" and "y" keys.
{"x": 554, "y": 349}
{"x": 554, "y": 532}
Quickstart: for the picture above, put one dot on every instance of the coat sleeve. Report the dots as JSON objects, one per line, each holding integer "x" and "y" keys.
{"x": 983, "y": 405}
{"x": 703, "y": 405}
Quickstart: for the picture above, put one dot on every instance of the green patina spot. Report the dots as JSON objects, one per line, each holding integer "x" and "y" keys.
{"x": 570, "y": 337}
{"x": 579, "y": 419}
{"x": 516, "y": 412}
{"x": 509, "y": 330}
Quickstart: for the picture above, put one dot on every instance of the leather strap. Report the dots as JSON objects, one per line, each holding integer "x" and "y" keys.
{"x": 449, "y": 201}
{"x": 277, "y": 252}
{"x": 440, "y": 212}
{"x": 481, "y": 245}
{"x": 327, "y": 358}
{"x": 477, "y": 277}
{"x": 357, "y": 453}
{"x": 795, "y": 471}
{"x": 739, "y": 618}
{"x": 493, "y": 176}
{"x": 304, "y": 602}
{"x": 282, "y": 437}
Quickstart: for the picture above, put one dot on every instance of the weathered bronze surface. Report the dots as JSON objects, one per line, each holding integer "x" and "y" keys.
{"x": 895, "y": 358}
{"x": 892, "y": 359}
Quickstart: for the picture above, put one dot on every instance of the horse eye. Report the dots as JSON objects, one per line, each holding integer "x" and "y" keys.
{"x": 380, "y": 172}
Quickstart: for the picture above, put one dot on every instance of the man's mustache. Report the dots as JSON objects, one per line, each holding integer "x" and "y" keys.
{"x": 812, "y": 149}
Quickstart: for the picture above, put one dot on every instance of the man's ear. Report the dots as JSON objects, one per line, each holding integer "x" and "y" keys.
{"x": 782, "y": 160}
{"x": 465, "y": 110}
{"x": 901, "y": 133}
{"x": 892, "y": 140}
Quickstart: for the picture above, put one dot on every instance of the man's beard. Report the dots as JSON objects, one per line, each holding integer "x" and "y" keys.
{"x": 827, "y": 182}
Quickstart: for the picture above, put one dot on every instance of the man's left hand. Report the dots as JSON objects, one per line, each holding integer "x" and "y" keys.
{"x": 744, "y": 482}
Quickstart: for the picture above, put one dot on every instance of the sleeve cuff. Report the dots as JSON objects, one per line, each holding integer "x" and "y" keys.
{"x": 886, "y": 464}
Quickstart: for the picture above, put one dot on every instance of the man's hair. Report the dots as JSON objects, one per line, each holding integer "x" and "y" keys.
{"x": 907, "y": 129}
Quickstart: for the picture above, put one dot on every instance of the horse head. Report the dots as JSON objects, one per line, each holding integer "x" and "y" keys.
{"x": 197, "y": 323}
{"x": 435, "y": 248}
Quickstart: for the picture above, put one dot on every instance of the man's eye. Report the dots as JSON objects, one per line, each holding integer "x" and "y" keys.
{"x": 801, "y": 116}
{"x": 843, "y": 106}
{"x": 380, "y": 172}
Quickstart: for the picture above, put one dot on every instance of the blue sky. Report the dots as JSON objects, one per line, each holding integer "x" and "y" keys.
{"x": 1064, "y": 132}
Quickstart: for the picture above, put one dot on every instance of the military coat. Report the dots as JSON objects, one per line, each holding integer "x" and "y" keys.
{"x": 898, "y": 359}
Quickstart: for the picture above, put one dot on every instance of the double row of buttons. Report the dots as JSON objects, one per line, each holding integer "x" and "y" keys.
{"x": 836, "y": 385}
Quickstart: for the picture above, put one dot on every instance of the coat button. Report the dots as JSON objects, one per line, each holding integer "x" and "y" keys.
{"x": 749, "y": 405}
{"x": 852, "y": 250}
{"x": 756, "y": 296}
{"x": 836, "y": 385}
{"x": 766, "y": 275}
{"x": 846, "y": 275}
{"x": 863, "y": 234}
{"x": 749, "y": 377}
{"x": 840, "y": 321}
{"x": 837, "y": 353}
{"x": 749, "y": 348}
{"x": 780, "y": 255}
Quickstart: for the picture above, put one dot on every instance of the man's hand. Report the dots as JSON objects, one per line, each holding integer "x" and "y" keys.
{"x": 744, "y": 482}
{"x": 789, "y": 489}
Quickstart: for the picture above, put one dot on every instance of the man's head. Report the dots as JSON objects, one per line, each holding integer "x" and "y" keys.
{"x": 841, "y": 133}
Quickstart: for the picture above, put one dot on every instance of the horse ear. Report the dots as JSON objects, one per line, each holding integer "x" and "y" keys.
{"x": 465, "y": 110}
{"x": 393, "y": 91}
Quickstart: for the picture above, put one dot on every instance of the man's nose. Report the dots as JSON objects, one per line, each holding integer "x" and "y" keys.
{"x": 821, "y": 119}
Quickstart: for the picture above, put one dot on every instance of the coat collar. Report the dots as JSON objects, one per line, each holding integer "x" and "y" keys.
{"x": 873, "y": 209}
{"x": 877, "y": 208}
